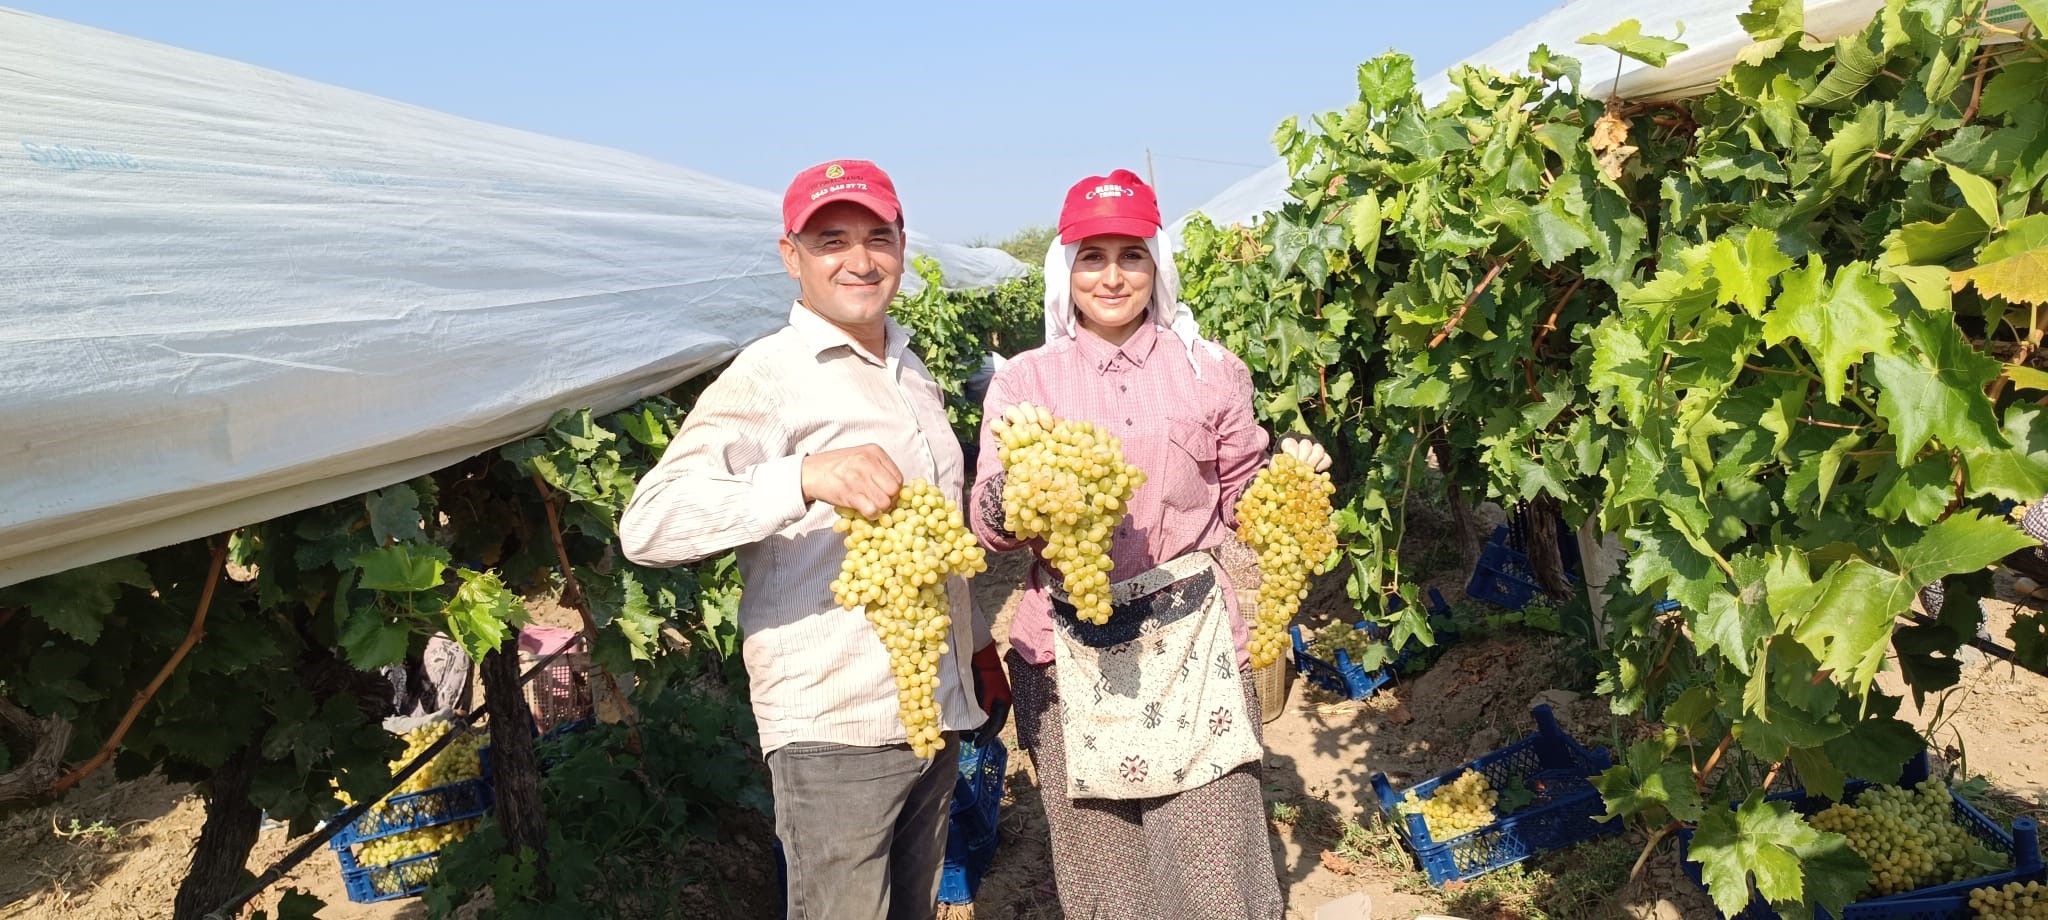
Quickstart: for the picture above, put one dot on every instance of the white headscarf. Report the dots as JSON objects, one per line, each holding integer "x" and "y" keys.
{"x": 1166, "y": 311}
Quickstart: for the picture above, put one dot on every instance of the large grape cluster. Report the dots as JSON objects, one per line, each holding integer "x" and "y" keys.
{"x": 1285, "y": 516}
{"x": 1909, "y": 837}
{"x": 2012, "y": 901}
{"x": 1461, "y": 806}
{"x": 895, "y": 570}
{"x": 1066, "y": 483}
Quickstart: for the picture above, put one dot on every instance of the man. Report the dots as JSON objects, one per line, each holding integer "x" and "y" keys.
{"x": 832, "y": 411}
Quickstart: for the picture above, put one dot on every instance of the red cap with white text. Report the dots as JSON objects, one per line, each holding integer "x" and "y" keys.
{"x": 858, "y": 181}
{"x": 1117, "y": 203}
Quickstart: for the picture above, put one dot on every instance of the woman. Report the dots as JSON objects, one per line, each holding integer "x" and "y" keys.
{"x": 1144, "y": 730}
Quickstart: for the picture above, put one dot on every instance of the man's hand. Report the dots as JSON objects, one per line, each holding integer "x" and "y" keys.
{"x": 862, "y": 478}
{"x": 1305, "y": 449}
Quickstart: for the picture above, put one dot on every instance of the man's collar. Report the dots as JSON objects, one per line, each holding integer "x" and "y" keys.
{"x": 819, "y": 335}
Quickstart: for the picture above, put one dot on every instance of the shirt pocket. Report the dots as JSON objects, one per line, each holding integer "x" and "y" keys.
{"x": 1191, "y": 466}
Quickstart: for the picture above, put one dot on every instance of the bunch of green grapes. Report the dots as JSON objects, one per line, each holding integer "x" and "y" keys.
{"x": 1461, "y": 806}
{"x": 2013, "y": 901}
{"x": 1344, "y": 637}
{"x": 1066, "y": 483}
{"x": 384, "y": 851}
{"x": 896, "y": 569}
{"x": 1285, "y": 516}
{"x": 461, "y": 759}
{"x": 1909, "y": 837}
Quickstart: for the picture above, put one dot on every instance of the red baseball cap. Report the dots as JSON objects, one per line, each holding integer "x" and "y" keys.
{"x": 1116, "y": 203}
{"x": 858, "y": 181}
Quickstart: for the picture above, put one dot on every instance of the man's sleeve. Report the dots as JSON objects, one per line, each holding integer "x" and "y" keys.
{"x": 729, "y": 478}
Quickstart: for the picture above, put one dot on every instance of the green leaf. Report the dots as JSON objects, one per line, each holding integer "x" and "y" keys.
{"x": 1838, "y": 324}
{"x": 1651, "y": 781}
{"x": 1761, "y": 839}
{"x": 402, "y": 567}
{"x": 1934, "y": 388}
{"x": 395, "y": 514}
{"x": 2029, "y": 637}
{"x": 1769, "y": 19}
{"x": 1363, "y": 222}
{"x": 1746, "y": 264}
{"x": 2019, "y": 278}
{"x": 1859, "y": 57}
{"x": 1628, "y": 39}
{"x": 76, "y": 602}
{"x": 1979, "y": 193}
{"x": 2019, "y": 472}
{"x": 1386, "y": 80}
{"x": 1852, "y": 145}
{"x": 372, "y": 640}
{"x": 1735, "y": 624}
{"x": 1849, "y": 627}
{"x": 483, "y": 613}
{"x": 1963, "y": 542}
{"x": 1929, "y": 243}
{"x": 1919, "y": 492}
{"x": 1834, "y": 876}
{"x": 1554, "y": 232}
{"x": 1875, "y": 749}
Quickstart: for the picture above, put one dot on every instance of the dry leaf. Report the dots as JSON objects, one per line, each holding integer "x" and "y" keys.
{"x": 1609, "y": 132}
{"x": 1614, "y": 159}
{"x": 1337, "y": 864}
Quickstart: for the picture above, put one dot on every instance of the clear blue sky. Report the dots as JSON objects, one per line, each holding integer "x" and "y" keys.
{"x": 984, "y": 113}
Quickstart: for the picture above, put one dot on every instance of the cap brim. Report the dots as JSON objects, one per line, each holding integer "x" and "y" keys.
{"x": 1105, "y": 226}
{"x": 882, "y": 207}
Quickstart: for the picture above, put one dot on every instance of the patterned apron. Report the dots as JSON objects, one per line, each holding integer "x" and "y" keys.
{"x": 1152, "y": 702}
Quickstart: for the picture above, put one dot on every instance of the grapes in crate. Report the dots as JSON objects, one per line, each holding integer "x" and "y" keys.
{"x": 461, "y": 760}
{"x": 1910, "y": 837}
{"x": 387, "y": 850}
{"x": 1461, "y": 806}
{"x": 895, "y": 570}
{"x": 2012, "y": 901}
{"x": 1285, "y": 516}
{"x": 1349, "y": 639}
{"x": 1066, "y": 483}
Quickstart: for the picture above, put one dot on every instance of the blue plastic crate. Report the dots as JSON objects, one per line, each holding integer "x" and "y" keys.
{"x": 1551, "y": 764}
{"x": 1343, "y": 676}
{"x": 1944, "y": 902}
{"x": 971, "y": 832}
{"x": 470, "y": 798}
{"x": 402, "y": 879}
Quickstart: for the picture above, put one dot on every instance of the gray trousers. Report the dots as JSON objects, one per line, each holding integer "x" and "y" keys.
{"x": 863, "y": 829}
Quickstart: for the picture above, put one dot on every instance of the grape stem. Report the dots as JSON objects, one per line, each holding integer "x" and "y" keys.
{"x": 143, "y": 696}
{"x": 1714, "y": 760}
{"x": 1657, "y": 836}
{"x": 1473, "y": 297}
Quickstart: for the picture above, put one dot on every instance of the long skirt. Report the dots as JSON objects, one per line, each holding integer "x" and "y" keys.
{"x": 1203, "y": 854}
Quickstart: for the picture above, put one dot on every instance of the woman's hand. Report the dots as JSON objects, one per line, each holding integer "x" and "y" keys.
{"x": 1305, "y": 449}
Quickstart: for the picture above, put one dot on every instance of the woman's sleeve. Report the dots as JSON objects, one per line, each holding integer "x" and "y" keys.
{"x": 986, "y": 497}
{"x": 1241, "y": 443}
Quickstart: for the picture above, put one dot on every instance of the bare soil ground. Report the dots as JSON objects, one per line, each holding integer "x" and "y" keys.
{"x": 117, "y": 849}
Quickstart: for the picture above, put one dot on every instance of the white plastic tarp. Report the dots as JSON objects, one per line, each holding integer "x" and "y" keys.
{"x": 227, "y": 293}
{"x": 1712, "y": 34}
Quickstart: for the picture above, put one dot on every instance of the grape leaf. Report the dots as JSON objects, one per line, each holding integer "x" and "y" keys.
{"x": 373, "y": 639}
{"x": 1769, "y": 19}
{"x": 402, "y": 567}
{"x": 1759, "y": 839}
{"x": 1979, "y": 193}
{"x": 1628, "y": 39}
{"x": 1963, "y": 542}
{"x": 394, "y": 514}
{"x": 1849, "y": 626}
{"x": 483, "y": 613}
{"x": 1837, "y": 323}
{"x": 1746, "y": 264}
{"x": 2021, "y": 277}
{"x": 2029, "y": 635}
{"x": 1931, "y": 243}
{"x": 77, "y": 602}
{"x": 1934, "y": 388}
{"x": 1651, "y": 782}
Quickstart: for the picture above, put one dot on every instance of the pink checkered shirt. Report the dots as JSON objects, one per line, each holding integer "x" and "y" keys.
{"x": 1196, "y": 440}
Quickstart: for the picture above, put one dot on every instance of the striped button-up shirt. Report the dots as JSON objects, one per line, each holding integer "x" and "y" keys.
{"x": 1196, "y": 440}
{"x": 732, "y": 478}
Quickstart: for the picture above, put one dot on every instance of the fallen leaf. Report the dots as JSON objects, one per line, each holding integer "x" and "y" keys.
{"x": 1337, "y": 864}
